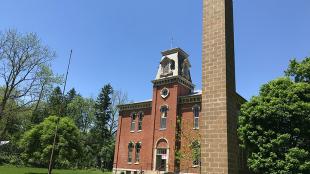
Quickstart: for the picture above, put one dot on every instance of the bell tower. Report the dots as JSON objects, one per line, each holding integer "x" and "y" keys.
{"x": 218, "y": 125}
{"x": 173, "y": 80}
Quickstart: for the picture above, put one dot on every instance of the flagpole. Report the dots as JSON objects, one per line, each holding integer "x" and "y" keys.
{"x": 50, "y": 166}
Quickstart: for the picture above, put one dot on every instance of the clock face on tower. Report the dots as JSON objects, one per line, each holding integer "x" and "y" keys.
{"x": 164, "y": 92}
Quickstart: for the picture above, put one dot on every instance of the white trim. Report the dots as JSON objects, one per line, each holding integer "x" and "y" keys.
{"x": 161, "y": 138}
{"x": 155, "y": 154}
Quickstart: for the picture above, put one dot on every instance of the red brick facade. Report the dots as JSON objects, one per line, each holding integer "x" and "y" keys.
{"x": 163, "y": 147}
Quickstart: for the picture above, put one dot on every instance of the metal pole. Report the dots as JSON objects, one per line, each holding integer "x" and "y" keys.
{"x": 50, "y": 166}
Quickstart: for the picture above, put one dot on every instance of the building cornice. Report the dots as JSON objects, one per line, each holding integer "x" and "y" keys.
{"x": 174, "y": 79}
{"x": 174, "y": 50}
{"x": 135, "y": 106}
{"x": 190, "y": 99}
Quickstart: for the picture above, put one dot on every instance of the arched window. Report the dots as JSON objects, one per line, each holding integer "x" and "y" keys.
{"x": 163, "y": 118}
{"x": 138, "y": 149}
{"x": 130, "y": 150}
{"x": 165, "y": 68}
{"x": 140, "y": 119}
{"x": 133, "y": 121}
{"x": 195, "y": 146}
{"x": 196, "y": 110}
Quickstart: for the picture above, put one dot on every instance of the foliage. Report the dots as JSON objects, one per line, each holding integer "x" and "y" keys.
{"x": 103, "y": 112}
{"x": 100, "y": 134}
{"x": 82, "y": 111}
{"x": 195, "y": 147}
{"x": 55, "y": 102}
{"x": 28, "y": 97}
{"x": 71, "y": 95}
{"x": 187, "y": 152}
{"x": 37, "y": 143}
{"x": 274, "y": 126}
{"x": 300, "y": 71}
{"x": 22, "y": 59}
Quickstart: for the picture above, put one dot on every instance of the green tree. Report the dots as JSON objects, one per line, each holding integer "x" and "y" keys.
{"x": 300, "y": 71}
{"x": 82, "y": 111}
{"x": 71, "y": 94}
{"x": 103, "y": 112}
{"x": 274, "y": 126}
{"x": 37, "y": 143}
{"x": 55, "y": 102}
{"x": 101, "y": 137}
{"x": 47, "y": 79}
{"x": 22, "y": 59}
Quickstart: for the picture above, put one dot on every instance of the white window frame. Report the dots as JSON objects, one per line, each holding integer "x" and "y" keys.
{"x": 133, "y": 121}
{"x": 196, "y": 115}
{"x": 131, "y": 147}
{"x": 163, "y": 117}
{"x": 140, "y": 120}
{"x": 138, "y": 154}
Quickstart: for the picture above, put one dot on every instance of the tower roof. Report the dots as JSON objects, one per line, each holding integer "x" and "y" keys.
{"x": 174, "y": 62}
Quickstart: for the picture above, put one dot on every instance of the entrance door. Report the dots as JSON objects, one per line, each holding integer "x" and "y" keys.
{"x": 161, "y": 159}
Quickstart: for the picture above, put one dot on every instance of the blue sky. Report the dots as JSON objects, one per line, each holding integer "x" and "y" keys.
{"x": 119, "y": 41}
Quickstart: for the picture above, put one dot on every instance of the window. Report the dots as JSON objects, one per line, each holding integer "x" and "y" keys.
{"x": 133, "y": 121}
{"x": 166, "y": 68}
{"x": 140, "y": 119}
{"x": 164, "y": 92}
{"x": 195, "y": 146}
{"x": 138, "y": 149}
{"x": 130, "y": 149}
{"x": 196, "y": 110}
{"x": 163, "y": 119}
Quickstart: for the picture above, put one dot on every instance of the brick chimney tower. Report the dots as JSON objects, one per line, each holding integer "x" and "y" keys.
{"x": 218, "y": 126}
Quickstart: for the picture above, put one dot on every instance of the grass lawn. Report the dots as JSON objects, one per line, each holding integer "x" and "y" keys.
{"x": 26, "y": 170}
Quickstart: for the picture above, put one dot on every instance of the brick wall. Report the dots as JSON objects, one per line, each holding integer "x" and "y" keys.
{"x": 218, "y": 118}
{"x": 144, "y": 136}
{"x": 188, "y": 135}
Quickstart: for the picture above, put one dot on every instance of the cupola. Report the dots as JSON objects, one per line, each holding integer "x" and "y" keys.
{"x": 174, "y": 62}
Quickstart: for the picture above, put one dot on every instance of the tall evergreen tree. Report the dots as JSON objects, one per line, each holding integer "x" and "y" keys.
{"x": 71, "y": 95}
{"x": 103, "y": 112}
{"x": 55, "y": 102}
{"x": 101, "y": 137}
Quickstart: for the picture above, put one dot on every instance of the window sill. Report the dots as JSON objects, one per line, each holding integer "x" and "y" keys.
{"x": 139, "y": 131}
{"x": 195, "y": 166}
{"x": 162, "y": 129}
{"x": 137, "y": 163}
{"x": 132, "y": 131}
{"x": 196, "y": 128}
{"x": 129, "y": 162}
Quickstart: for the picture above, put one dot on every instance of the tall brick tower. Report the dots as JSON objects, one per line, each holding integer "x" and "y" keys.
{"x": 218, "y": 126}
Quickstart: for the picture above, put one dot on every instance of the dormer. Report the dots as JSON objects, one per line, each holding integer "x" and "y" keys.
{"x": 174, "y": 62}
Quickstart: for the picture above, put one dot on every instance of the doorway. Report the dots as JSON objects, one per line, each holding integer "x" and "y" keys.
{"x": 161, "y": 159}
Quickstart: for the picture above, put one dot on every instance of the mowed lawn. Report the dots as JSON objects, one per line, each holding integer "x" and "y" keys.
{"x": 26, "y": 170}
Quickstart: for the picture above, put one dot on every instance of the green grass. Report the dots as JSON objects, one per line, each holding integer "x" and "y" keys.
{"x": 28, "y": 170}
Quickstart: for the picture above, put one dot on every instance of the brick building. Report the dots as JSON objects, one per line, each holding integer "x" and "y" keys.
{"x": 162, "y": 134}
{"x": 180, "y": 130}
